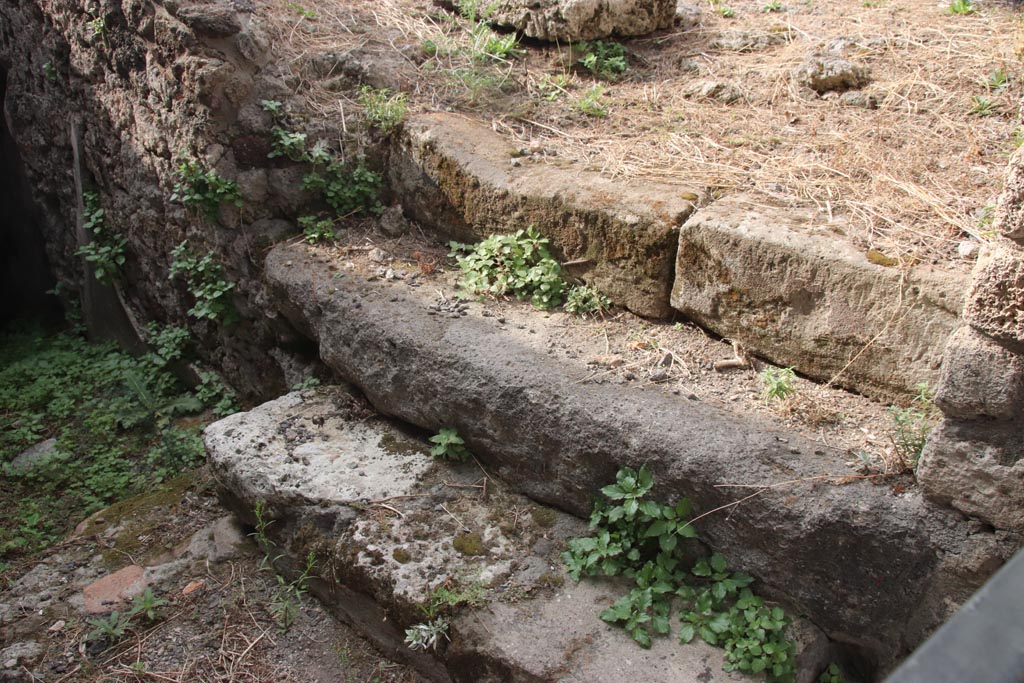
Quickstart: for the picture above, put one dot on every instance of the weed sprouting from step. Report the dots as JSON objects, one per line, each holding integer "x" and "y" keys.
{"x": 448, "y": 445}
{"x": 384, "y": 109}
{"x": 777, "y": 383}
{"x": 910, "y": 427}
{"x": 642, "y": 540}
{"x": 604, "y": 59}
{"x": 203, "y": 190}
{"x": 519, "y": 265}
{"x": 428, "y": 634}
{"x": 206, "y": 282}
{"x": 106, "y": 250}
{"x": 584, "y": 300}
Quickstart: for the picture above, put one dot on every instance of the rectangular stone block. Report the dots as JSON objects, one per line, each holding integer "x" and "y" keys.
{"x": 785, "y": 283}
{"x": 995, "y": 303}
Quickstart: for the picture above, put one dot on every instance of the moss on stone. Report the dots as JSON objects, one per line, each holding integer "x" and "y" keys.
{"x": 401, "y": 555}
{"x": 543, "y": 517}
{"x": 469, "y": 544}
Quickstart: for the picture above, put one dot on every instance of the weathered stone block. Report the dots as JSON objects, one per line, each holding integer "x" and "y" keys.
{"x": 978, "y": 468}
{"x": 1009, "y": 214}
{"x": 454, "y": 176}
{"x": 980, "y": 378}
{"x": 573, "y": 20}
{"x": 995, "y": 303}
{"x": 783, "y": 283}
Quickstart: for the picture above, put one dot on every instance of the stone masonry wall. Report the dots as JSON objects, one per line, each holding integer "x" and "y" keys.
{"x": 974, "y": 460}
{"x": 145, "y": 85}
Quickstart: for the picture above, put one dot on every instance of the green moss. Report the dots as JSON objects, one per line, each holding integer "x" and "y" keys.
{"x": 389, "y": 443}
{"x": 551, "y": 580}
{"x": 401, "y": 555}
{"x": 543, "y": 517}
{"x": 469, "y": 544}
{"x": 880, "y": 259}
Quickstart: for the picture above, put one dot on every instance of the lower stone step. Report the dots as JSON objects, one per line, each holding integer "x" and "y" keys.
{"x": 393, "y": 530}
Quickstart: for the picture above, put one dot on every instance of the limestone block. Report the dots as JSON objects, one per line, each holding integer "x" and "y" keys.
{"x": 1009, "y": 214}
{"x": 573, "y": 20}
{"x": 995, "y": 303}
{"x": 784, "y": 284}
{"x": 977, "y": 468}
{"x": 980, "y": 378}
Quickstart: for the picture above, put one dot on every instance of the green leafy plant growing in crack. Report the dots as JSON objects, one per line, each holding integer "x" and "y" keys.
{"x": 448, "y": 445}
{"x": 111, "y": 628}
{"x": 777, "y": 383}
{"x": 962, "y": 7}
{"x": 214, "y": 393}
{"x": 592, "y": 103}
{"x": 910, "y": 426}
{"x": 604, "y": 59}
{"x": 285, "y": 603}
{"x": 384, "y": 109}
{"x": 518, "y": 265}
{"x": 982, "y": 106}
{"x": 833, "y": 674}
{"x": 427, "y": 635}
{"x": 584, "y": 300}
{"x": 642, "y": 540}
{"x": 106, "y": 251}
{"x": 203, "y": 190}
{"x": 347, "y": 188}
{"x": 316, "y": 230}
{"x": 287, "y": 143}
{"x": 206, "y": 282}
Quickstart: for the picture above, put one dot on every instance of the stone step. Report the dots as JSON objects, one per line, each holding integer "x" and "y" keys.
{"x": 876, "y": 569}
{"x": 785, "y": 283}
{"x": 390, "y": 524}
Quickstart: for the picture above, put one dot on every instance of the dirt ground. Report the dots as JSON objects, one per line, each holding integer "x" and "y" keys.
{"x": 908, "y": 165}
{"x": 218, "y": 624}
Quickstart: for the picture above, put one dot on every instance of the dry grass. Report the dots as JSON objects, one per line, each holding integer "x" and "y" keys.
{"x": 911, "y": 178}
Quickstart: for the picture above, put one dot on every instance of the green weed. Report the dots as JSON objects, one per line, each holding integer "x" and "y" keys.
{"x": 448, "y": 445}
{"x": 774, "y": 6}
{"x": 998, "y": 81}
{"x": 604, "y": 59}
{"x": 203, "y": 190}
{"x": 642, "y": 540}
{"x": 106, "y": 250}
{"x": 316, "y": 230}
{"x": 592, "y": 102}
{"x": 962, "y": 7}
{"x": 833, "y": 674}
{"x": 982, "y": 106}
{"x": 584, "y": 300}
{"x": 777, "y": 383}
{"x": 910, "y": 427}
{"x": 206, "y": 282}
{"x": 518, "y": 265}
{"x": 384, "y": 109}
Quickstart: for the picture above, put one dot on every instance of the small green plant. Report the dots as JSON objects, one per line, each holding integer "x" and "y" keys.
{"x": 302, "y": 11}
{"x": 306, "y": 384}
{"x": 604, "y": 59}
{"x": 50, "y": 71}
{"x": 286, "y": 143}
{"x": 167, "y": 343}
{"x": 203, "y": 190}
{"x": 584, "y": 300}
{"x": 774, "y": 6}
{"x": 910, "y": 426}
{"x": 592, "y": 102}
{"x": 274, "y": 108}
{"x": 777, "y": 383}
{"x": 998, "y": 81}
{"x": 214, "y": 393}
{"x": 384, "y": 109}
{"x": 1017, "y": 137}
{"x": 488, "y": 45}
{"x": 97, "y": 26}
{"x": 427, "y": 635}
{"x": 981, "y": 106}
{"x": 316, "y": 229}
{"x": 448, "y": 445}
{"x": 205, "y": 279}
{"x": 284, "y": 605}
{"x": 111, "y": 628}
{"x": 148, "y": 605}
{"x": 641, "y": 540}
{"x": 106, "y": 251}
{"x": 725, "y": 11}
{"x": 348, "y": 189}
{"x": 962, "y": 7}
{"x": 552, "y": 87}
{"x": 833, "y": 674}
{"x": 518, "y": 265}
